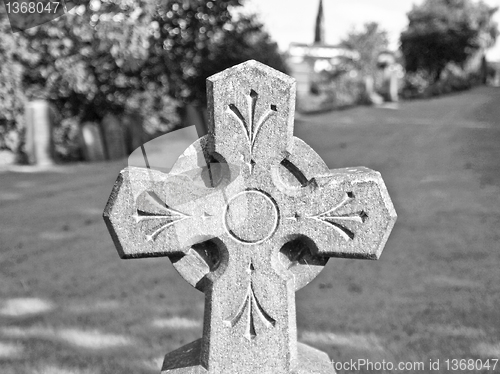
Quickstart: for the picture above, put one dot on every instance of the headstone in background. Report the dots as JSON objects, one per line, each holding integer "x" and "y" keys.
{"x": 93, "y": 145}
{"x": 39, "y": 145}
{"x": 371, "y": 93}
{"x": 495, "y": 78}
{"x": 196, "y": 116}
{"x": 114, "y": 136}
{"x": 134, "y": 131}
{"x": 261, "y": 231}
{"x": 393, "y": 86}
{"x": 387, "y": 77}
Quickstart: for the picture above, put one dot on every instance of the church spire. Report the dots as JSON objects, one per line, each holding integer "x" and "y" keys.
{"x": 319, "y": 32}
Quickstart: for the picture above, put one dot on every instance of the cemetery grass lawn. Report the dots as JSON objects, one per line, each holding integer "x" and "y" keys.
{"x": 68, "y": 304}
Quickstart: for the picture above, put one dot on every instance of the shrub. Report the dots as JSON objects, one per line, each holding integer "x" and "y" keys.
{"x": 415, "y": 84}
{"x": 453, "y": 78}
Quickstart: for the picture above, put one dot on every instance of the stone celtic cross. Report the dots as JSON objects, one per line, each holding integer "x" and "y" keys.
{"x": 249, "y": 214}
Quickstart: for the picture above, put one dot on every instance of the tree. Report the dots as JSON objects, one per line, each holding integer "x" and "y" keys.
{"x": 244, "y": 39}
{"x": 13, "y": 49}
{"x": 109, "y": 56}
{"x": 369, "y": 43}
{"x": 144, "y": 56}
{"x": 444, "y": 31}
{"x": 89, "y": 62}
{"x": 11, "y": 96}
{"x": 197, "y": 38}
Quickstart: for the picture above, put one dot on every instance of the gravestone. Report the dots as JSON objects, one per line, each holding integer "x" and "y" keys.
{"x": 196, "y": 116}
{"x": 92, "y": 144}
{"x": 264, "y": 227}
{"x": 371, "y": 93}
{"x": 134, "y": 132}
{"x": 39, "y": 143}
{"x": 114, "y": 136}
{"x": 386, "y": 77}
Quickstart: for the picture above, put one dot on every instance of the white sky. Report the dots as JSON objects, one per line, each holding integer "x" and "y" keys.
{"x": 293, "y": 20}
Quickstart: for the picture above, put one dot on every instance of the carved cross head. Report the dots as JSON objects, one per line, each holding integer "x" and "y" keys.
{"x": 263, "y": 227}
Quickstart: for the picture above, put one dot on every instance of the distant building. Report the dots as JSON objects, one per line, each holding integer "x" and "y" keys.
{"x": 308, "y": 61}
{"x": 328, "y": 76}
{"x": 313, "y": 66}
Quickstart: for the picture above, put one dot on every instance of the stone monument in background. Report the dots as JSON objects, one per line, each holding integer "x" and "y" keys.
{"x": 114, "y": 136}
{"x": 384, "y": 85}
{"x": 39, "y": 146}
{"x": 134, "y": 131}
{"x": 249, "y": 214}
{"x": 92, "y": 142}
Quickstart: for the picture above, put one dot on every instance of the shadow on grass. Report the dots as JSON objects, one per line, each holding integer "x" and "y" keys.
{"x": 35, "y": 338}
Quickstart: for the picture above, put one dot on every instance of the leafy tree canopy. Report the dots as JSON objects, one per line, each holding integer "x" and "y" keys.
{"x": 89, "y": 62}
{"x": 12, "y": 49}
{"x": 369, "y": 43}
{"x": 200, "y": 38}
{"x": 115, "y": 55}
{"x": 444, "y": 31}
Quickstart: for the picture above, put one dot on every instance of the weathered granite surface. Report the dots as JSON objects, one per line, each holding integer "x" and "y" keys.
{"x": 226, "y": 226}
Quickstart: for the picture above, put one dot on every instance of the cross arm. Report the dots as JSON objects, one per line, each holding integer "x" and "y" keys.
{"x": 350, "y": 214}
{"x": 150, "y": 214}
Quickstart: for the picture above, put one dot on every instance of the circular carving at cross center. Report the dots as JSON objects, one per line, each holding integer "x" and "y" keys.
{"x": 251, "y": 217}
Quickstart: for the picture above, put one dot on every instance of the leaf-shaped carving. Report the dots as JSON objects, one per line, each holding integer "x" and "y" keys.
{"x": 337, "y": 221}
{"x": 252, "y": 309}
{"x": 248, "y": 125}
{"x": 151, "y": 207}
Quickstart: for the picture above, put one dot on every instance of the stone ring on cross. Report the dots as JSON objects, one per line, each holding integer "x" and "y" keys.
{"x": 263, "y": 228}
